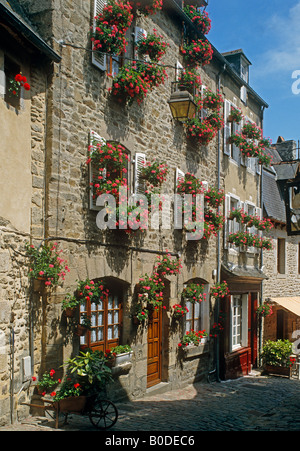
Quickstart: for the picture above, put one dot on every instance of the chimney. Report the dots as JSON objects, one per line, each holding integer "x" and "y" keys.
{"x": 287, "y": 149}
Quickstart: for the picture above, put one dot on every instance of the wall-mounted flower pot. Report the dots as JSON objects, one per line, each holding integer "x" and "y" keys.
{"x": 123, "y": 358}
{"x": 278, "y": 370}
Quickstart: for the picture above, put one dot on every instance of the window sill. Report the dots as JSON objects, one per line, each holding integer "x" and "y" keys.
{"x": 191, "y": 352}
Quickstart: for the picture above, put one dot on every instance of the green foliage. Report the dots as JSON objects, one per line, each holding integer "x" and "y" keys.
{"x": 277, "y": 353}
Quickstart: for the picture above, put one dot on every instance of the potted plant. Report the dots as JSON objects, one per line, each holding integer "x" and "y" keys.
{"x": 83, "y": 326}
{"x": 220, "y": 290}
{"x": 214, "y": 196}
{"x": 252, "y": 131}
{"x": 199, "y": 18}
{"x": 123, "y": 354}
{"x": 108, "y": 34}
{"x": 166, "y": 266}
{"x": 15, "y": 84}
{"x": 212, "y": 100}
{"x": 46, "y": 382}
{"x": 193, "y": 292}
{"x": 154, "y": 173}
{"x": 69, "y": 305}
{"x": 200, "y": 129}
{"x": 149, "y": 7}
{"x": 152, "y": 45}
{"x": 264, "y": 310}
{"x": 189, "y": 80}
{"x": 198, "y": 53}
{"x": 179, "y": 311}
{"x": 235, "y": 115}
{"x": 192, "y": 338}
{"x": 46, "y": 264}
{"x": 276, "y": 356}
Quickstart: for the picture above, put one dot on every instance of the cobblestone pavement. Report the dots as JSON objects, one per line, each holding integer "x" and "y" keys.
{"x": 246, "y": 404}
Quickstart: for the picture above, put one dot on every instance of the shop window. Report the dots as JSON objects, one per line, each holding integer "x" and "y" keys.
{"x": 106, "y": 321}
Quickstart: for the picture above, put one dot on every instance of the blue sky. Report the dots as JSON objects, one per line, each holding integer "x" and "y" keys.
{"x": 268, "y": 31}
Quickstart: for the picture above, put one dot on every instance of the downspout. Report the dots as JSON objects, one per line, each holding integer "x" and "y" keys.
{"x": 261, "y": 254}
{"x": 217, "y": 302}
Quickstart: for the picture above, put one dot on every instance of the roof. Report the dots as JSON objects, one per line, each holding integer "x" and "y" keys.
{"x": 236, "y": 52}
{"x": 290, "y": 303}
{"x": 13, "y": 17}
{"x": 273, "y": 201}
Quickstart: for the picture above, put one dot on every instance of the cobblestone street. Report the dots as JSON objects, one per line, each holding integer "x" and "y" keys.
{"x": 246, "y": 404}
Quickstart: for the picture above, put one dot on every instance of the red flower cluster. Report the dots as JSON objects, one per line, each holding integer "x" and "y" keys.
{"x": 198, "y": 52}
{"x": 147, "y": 8}
{"x": 153, "y": 45}
{"x": 199, "y": 18}
{"x": 23, "y": 81}
{"x": 111, "y": 26}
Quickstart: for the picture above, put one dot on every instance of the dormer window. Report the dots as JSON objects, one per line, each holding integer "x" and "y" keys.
{"x": 239, "y": 62}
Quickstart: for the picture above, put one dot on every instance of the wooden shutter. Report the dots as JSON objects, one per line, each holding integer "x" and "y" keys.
{"x": 227, "y": 128}
{"x": 139, "y": 185}
{"x": 179, "y": 177}
{"x": 98, "y": 58}
{"x": 94, "y": 139}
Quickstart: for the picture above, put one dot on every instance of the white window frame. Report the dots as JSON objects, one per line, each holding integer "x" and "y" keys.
{"x": 238, "y": 319}
{"x": 231, "y": 225}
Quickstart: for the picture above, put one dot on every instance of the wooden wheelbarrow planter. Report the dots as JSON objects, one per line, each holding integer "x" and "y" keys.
{"x": 102, "y": 413}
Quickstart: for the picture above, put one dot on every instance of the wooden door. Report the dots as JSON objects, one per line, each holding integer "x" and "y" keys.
{"x": 154, "y": 348}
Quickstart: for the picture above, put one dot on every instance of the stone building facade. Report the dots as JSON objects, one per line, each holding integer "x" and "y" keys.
{"x": 70, "y": 101}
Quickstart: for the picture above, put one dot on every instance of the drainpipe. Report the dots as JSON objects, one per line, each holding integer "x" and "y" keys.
{"x": 217, "y": 303}
{"x": 261, "y": 254}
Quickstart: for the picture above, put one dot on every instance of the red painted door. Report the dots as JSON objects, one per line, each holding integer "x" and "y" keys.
{"x": 154, "y": 348}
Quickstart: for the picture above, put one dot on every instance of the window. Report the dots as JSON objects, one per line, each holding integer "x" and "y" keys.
{"x": 106, "y": 322}
{"x": 11, "y": 69}
{"x": 236, "y": 321}
{"x": 239, "y": 321}
{"x": 229, "y": 129}
{"x": 192, "y": 317}
{"x": 281, "y": 258}
{"x": 232, "y": 203}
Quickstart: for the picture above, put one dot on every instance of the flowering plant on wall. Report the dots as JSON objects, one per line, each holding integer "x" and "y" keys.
{"x": 45, "y": 263}
{"x": 235, "y": 115}
{"x": 214, "y": 196}
{"x": 192, "y": 338}
{"x": 93, "y": 291}
{"x": 134, "y": 81}
{"x": 190, "y": 185}
{"x": 193, "y": 292}
{"x": 200, "y": 129}
{"x": 250, "y": 240}
{"x": 154, "y": 173}
{"x": 212, "y": 100}
{"x": 166, "y": 266}
{"x": 149, "y": 7}
{"x": 14, "y": 85}
{"x": 152, "y": 45}
{"x": 197, "y": 53}
{"x": 220, "y": 290}
{"x": 189, "y": 79}
{"x": 179, "y": 311}
{"x": 111, "y": 25}
{"x": 150, "y": 290}
{"x": 264, "y": 310}
{"x": 199, "y": 18}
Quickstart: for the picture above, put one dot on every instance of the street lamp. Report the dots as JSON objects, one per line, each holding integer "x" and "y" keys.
{"x": 182, "y": 105}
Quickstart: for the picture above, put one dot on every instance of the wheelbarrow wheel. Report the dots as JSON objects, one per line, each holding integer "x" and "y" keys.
{"x": 103, "y": 414}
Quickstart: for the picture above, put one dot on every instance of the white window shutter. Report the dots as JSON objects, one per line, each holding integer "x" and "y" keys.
{"x": 140, "y": 33}
{"x": 204, "y": 111}
{"x": 236, "y": 153}
{"x": 227, "y": 128}
{"x": 139, "y": 185}
{"x": 179, "y": 177}
{"x": 98, "y": 58}
{"x": 243, "y": 94}
{"x": 178, "y": 70}
{"x": 226, "y": 214}
{"x": 94, "y": 139}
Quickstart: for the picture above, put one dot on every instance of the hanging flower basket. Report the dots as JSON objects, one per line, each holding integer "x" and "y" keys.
{"x": 200, "y": 129}
{"x": 189, "y": 80}
{"x": 198, "y": 53}
{"x": 220, "y": 290}
{"x": 212, "y": 100}
{"x": 199, "y": 18}
{"x": 148, "y": 8}
{"x": 153, "y": 45}
{"x": 214, "y": 197}
{"x": 264, "y": 310}
{"x": 108, "y": 35}
{"x": 154, "y": 173}
{"x": 193, "y": 292}
{"x": 179, "y": 311}
{"x": 235, "y": 115}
